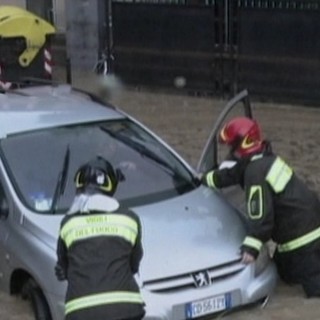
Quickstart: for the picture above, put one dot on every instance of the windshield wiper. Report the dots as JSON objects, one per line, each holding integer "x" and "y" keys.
{"x": 62, "y": 181}
{"x": 143, "y": 150}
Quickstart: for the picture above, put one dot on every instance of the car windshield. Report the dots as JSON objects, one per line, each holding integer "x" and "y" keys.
{"x": 42, "y": 164}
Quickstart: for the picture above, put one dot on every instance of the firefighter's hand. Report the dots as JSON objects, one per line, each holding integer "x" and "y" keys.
{"x": 247, "y": 258}
{"x": 60, "y": 274}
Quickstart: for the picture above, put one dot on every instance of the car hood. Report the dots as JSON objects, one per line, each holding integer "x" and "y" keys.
{"x": 192, "y": 232}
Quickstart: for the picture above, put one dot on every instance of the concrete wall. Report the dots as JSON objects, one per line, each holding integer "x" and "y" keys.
{"x": 86, "y": 28}
{"x": 59, "y": 15}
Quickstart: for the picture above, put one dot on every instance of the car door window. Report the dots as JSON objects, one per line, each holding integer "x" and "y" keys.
{"x": 215, "y": 154}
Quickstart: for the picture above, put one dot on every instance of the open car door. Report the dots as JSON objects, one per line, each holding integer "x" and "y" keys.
{"x": 214, "y": 154}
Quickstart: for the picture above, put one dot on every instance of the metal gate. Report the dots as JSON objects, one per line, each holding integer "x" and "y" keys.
{"x": 270, "y": 47}
{"x": 156, "y": 44}
{"x": 278, "y": 49}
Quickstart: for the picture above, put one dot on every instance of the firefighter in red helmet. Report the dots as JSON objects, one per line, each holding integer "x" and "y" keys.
{"x": 279, "y": 205}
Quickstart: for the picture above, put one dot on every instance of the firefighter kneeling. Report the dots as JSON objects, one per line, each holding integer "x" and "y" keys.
{"x": 279, "y": 205}
{"x": 99, "y": 250}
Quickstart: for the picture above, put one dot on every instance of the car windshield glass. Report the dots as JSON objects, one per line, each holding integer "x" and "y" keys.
{"x": 42, "y": 164}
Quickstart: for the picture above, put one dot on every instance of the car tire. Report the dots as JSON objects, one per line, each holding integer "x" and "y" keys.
{"x": 32, "y": 292}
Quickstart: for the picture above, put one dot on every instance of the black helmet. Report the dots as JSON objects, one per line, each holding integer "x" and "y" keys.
{"x": 97, "y": 175}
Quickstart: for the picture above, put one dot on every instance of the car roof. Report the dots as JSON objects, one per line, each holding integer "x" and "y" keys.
{"x": 46, "y": 106}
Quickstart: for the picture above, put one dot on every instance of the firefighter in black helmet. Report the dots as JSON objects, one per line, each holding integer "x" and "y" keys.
{"x": 279, "y": 205}
{"x": 99, "y": 250}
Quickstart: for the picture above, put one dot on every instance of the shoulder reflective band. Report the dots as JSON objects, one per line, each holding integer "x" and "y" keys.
{"x": 253, "y": 243}
{"x": 210, "y": 179}
{"x": 299, "y": 242}
{"x": 83, "y": 227}
{"x": 279, "y": 175}
{"x": 255, "y": 202}
{"x": 102, "y": 299}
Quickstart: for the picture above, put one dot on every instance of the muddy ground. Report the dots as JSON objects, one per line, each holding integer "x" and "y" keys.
{"x": 185, "y": 122}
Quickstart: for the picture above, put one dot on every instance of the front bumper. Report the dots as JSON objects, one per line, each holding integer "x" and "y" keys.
{"x": 243, "y": 288}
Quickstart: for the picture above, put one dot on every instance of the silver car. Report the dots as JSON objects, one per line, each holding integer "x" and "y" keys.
{"x": 191, "y": 234}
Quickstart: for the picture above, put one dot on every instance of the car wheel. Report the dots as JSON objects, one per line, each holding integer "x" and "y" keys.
{"x": 32, "y": 292}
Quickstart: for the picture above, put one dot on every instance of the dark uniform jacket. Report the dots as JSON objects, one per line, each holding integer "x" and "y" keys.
{"x": 279, "y": 205}
{"x": 99, "y": 252}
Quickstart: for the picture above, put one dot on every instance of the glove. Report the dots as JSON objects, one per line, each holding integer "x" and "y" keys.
{"x": 248, "y": 254}
{"x": 247, "y": 258}
{"x": 59, "y": 272}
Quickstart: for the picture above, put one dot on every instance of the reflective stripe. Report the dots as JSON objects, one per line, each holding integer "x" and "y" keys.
{"x": 279, "y": 175}
{"x": 210, "y": 179}
{"x": 101, "y": 299}
{"x": 255, "y": 212}
{"x": 82, "y": 227}
{"x": 247, "y": 142}
{"x": 299, "y": 242}
{"x": 252, "y": 242}
{"x": 223, "y": 135}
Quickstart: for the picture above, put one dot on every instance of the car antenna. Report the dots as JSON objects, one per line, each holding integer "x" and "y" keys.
{"x": 62, "y": 180}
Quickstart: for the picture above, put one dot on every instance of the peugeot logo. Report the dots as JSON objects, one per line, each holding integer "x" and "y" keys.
{"x": 201, "y": 279}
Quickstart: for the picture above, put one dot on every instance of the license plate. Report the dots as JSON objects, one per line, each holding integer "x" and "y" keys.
{"x": 209, "y": 305}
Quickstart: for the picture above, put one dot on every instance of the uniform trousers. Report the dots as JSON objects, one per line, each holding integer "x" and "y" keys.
{"x": 301, "y": 266}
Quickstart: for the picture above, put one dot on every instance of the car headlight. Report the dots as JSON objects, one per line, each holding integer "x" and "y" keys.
{"x": 262, "y": 261}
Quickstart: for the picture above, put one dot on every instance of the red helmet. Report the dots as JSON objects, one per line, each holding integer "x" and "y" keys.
{"x": 243, "y": 135}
